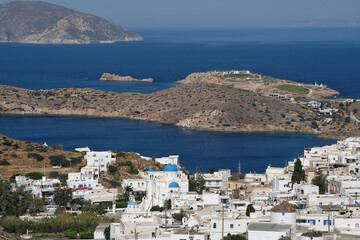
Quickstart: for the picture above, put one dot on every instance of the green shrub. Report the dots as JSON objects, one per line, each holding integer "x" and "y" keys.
{"x": 59, "y": 160}
{"x": 7, "y": 142}
{"x": 121, "y": 204}
{"x": 234, "y": 237}
{"x": 4, "y": 163}
{"x": 36, "y": 156}
{"x": 347, "y": 119}
{"x": 121, "y": 154}
{"x": 75, "y": 161}
{"x": 86, "y": 235}
{"x": 12, "y": 224}
{"x": 54, "y": 174}
{"x": 34, "y": 175}
{"x": 314, "y": 125}
{"x": 179, "y": 216}
{"x": 57, "y": 147}
{"x": 156, "y": 208}
{"x": 112, "y": 169}
{"x": 70, "y": 234}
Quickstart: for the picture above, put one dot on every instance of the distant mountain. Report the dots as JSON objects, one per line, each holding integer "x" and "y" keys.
{"x": 45, "y": 23}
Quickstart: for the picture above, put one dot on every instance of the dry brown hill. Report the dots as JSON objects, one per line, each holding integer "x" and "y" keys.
{"x": 21, "y": 157}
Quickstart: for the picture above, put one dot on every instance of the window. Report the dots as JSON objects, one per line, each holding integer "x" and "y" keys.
{"x": 214, "y": 225}
{"x": 89, "y": 185}
{"x": 231, "y": 225}
{"x": 327, "y": 222}
{"x": 356, "y": 225}
{"x": 311, "y": 221}
{"x": 283, "y": 214}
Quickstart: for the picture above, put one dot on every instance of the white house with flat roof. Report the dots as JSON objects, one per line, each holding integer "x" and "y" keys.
{"x": 172, "y": 159}
{"x": 270, "y": 231}
{"x": 100, "y": 160}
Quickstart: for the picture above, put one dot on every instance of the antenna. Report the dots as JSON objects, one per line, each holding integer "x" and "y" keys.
{"x": 239, "y": 167}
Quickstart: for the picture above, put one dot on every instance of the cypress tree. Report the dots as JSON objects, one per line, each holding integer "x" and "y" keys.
{"x": 299, "y": 173}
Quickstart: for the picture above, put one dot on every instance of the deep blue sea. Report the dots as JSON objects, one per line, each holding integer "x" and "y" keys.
{"x": 328, "y": 56}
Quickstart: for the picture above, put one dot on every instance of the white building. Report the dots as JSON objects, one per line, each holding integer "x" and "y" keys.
{"x": 82, "y": 184}
{"x": 100, "y": 160}
{"x": 270, "y": 231}
{"x": 99, "y": 230}
{"x": 172, "y": 159}
{"x": 217, "y": 179}
{"x": 164, "y": 185}
{"x": 137, "y": 185}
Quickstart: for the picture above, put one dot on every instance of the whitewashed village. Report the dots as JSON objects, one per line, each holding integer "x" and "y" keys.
{"x": 314, "y": 197}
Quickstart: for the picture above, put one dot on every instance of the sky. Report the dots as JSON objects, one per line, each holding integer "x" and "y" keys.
{"x": 220, "y": 13}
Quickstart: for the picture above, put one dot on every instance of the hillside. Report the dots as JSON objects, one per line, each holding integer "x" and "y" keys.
{"x": 22, "y": 157}
{"x": 45, "y": 23}
{"x": 262, "y": 84}
{"x": 197, "y": 105}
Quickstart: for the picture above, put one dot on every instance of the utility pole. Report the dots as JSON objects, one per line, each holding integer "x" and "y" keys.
{"x": 239, "y": 167}
{"x": 166, "y": 222}
{"x": 222, "y": 231}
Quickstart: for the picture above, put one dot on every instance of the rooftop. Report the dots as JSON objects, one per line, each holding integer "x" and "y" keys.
{"x": 284, "y": 207}
{"x": 270, "y": 227}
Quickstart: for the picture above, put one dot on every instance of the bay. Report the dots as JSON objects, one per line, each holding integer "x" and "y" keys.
{"x": 255, "y": 151}
{"x": 328, "y": 56}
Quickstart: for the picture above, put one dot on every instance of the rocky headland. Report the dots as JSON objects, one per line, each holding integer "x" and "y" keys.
{"x": 117, "y": 78}
{"x": 213, "y": 105}
{"x": 45, "y": 23}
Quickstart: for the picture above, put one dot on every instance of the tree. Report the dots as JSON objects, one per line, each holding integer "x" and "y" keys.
{"x": 180, "y": 215}
{"x": 211, "y": 170}
{"x": 63, "y": 196}
{"x": 320, "y": 180}
{"x": 14, "y": 202}
{"x": 249, "y": 209}
{"x": 200, "y": 181}
{"x": 63, "y": 177}
{"x": 107, "y": 233}
{"x": 299, "y": 173}
{"x": 37, "y": 205}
